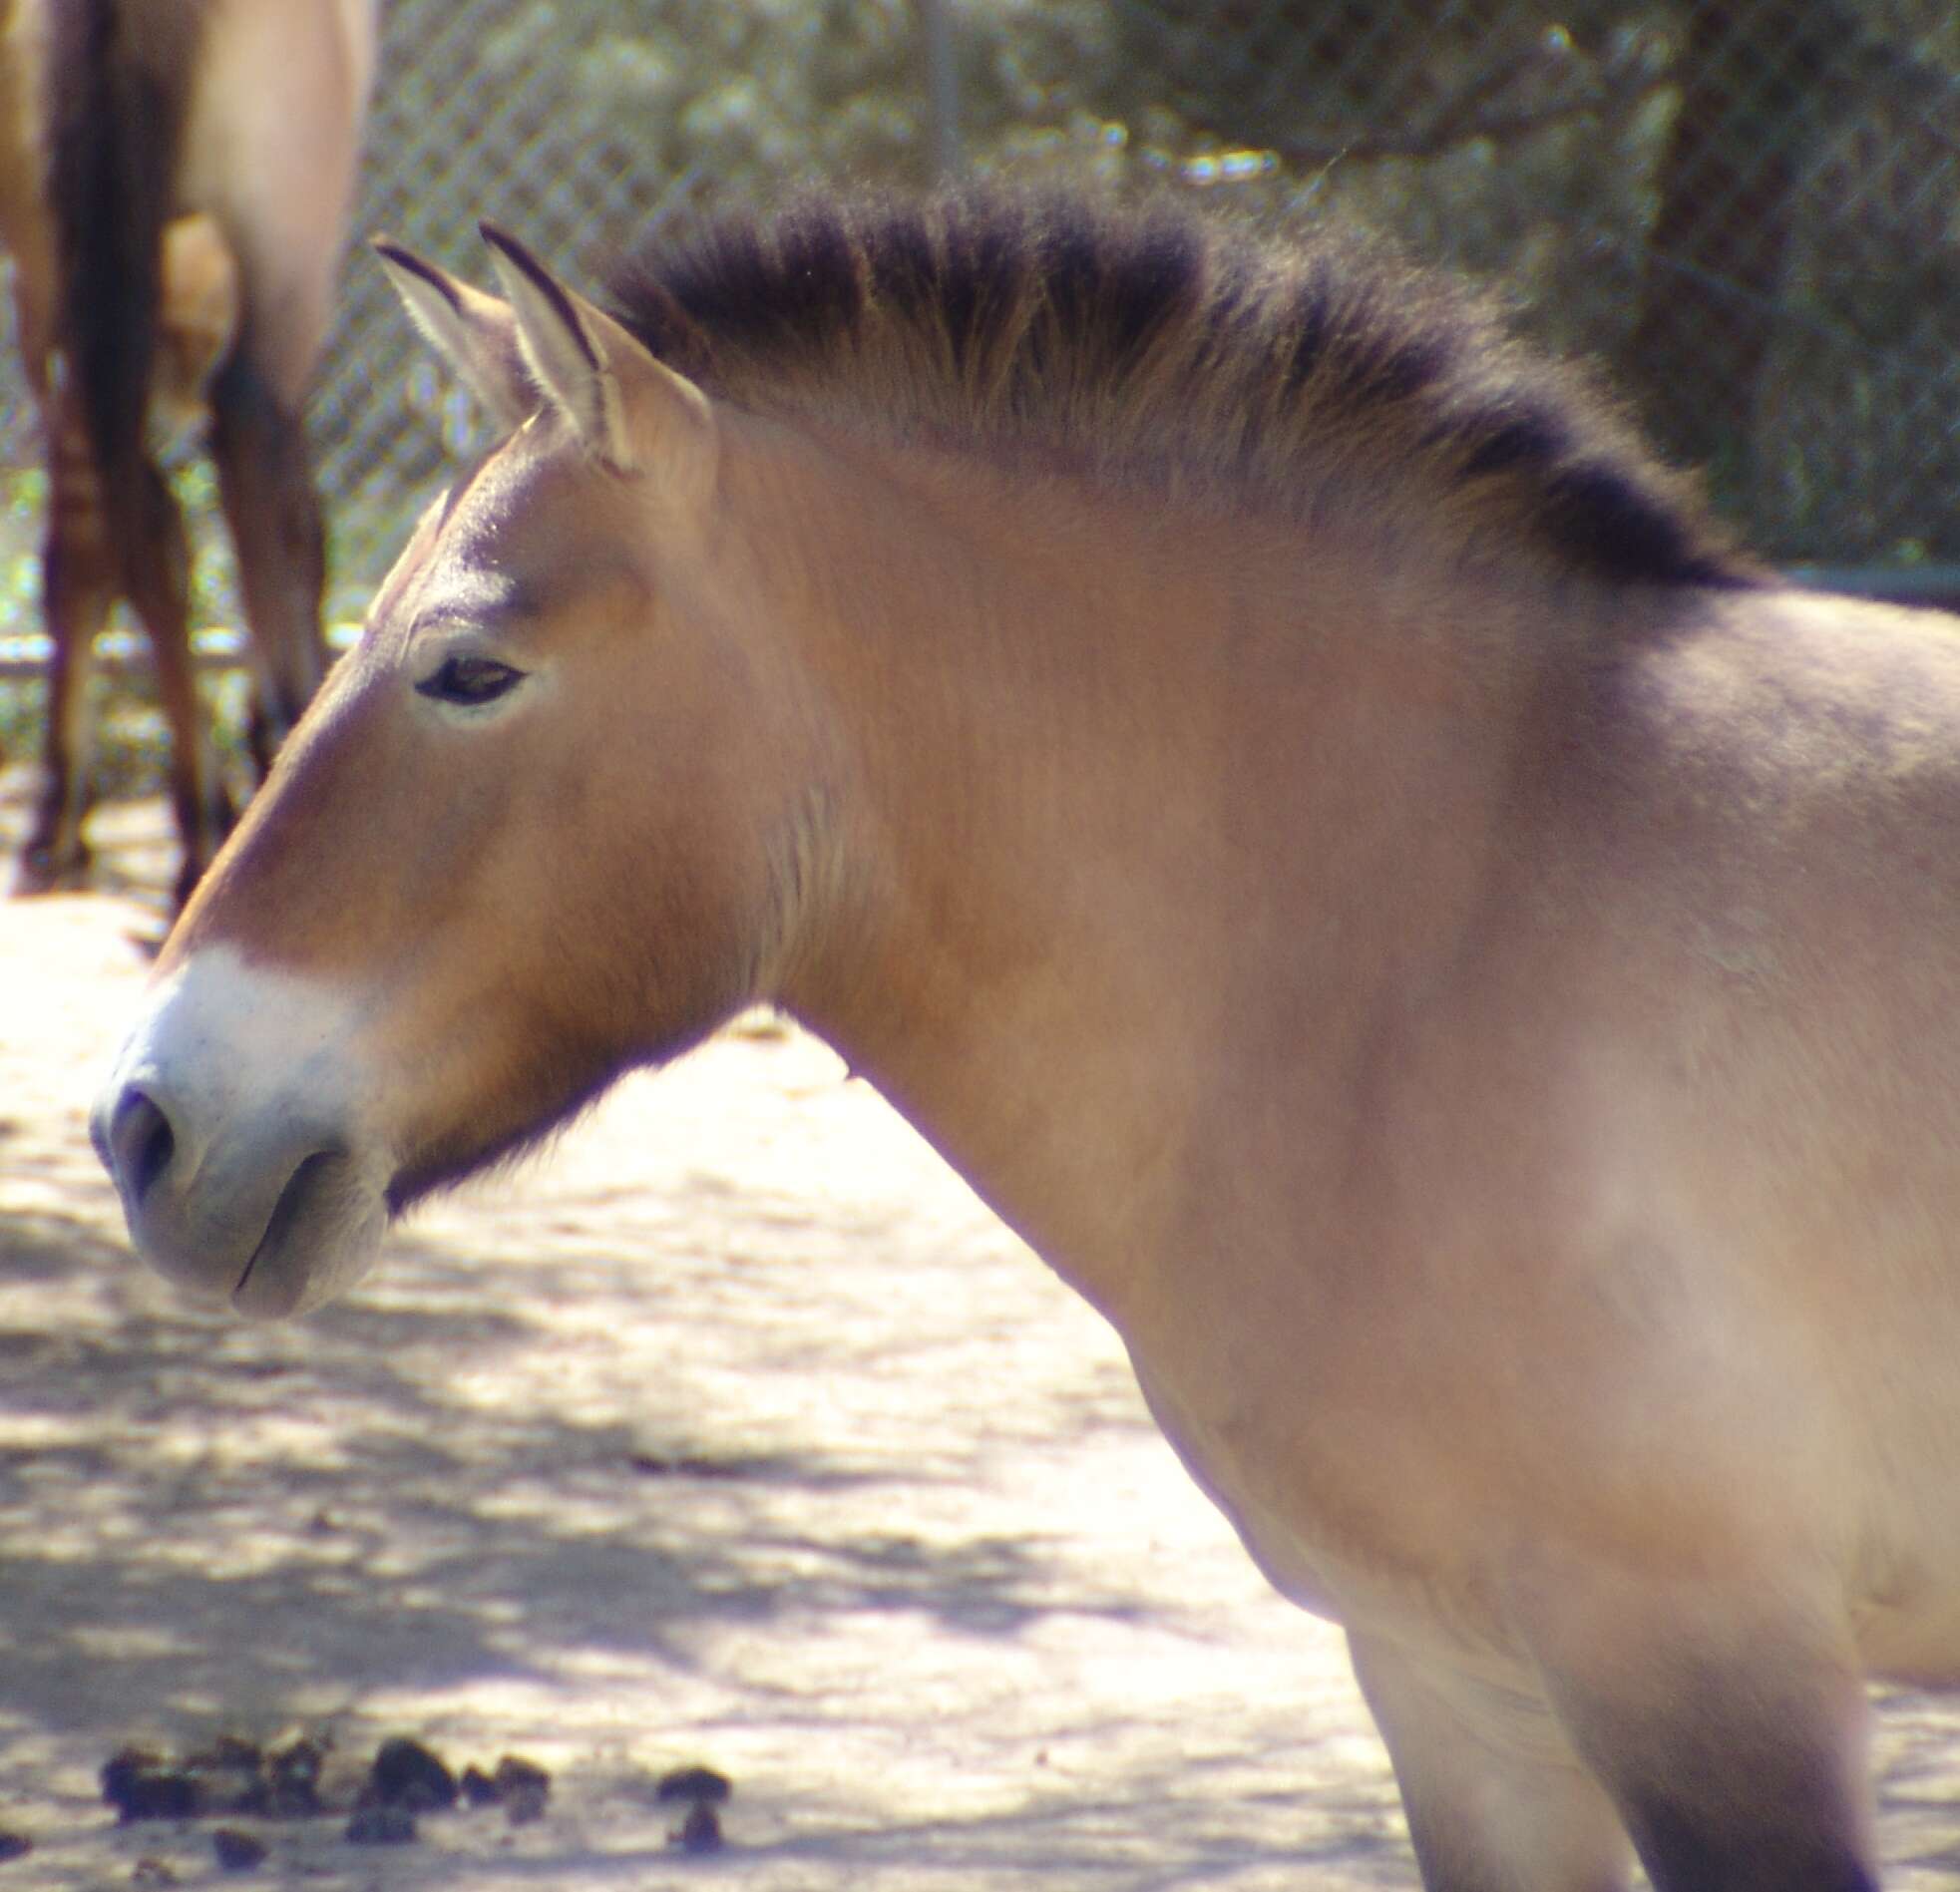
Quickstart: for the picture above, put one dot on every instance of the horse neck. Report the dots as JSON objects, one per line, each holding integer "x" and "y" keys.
{"x": 1120, "y": 792}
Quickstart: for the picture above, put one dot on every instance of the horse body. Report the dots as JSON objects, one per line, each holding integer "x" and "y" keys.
{"x": 176, "y": 173}
{"x": 1516, "y": 1182}
{"x": 1478, "y": 1026}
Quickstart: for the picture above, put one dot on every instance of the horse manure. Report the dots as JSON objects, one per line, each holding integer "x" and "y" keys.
{"x": 703, "y": 1790}
{"x": 14, "y": 1846}
{"x": 520, "y": 1786}
{"x": 230, "y": 1750}
{"x": 142, "y": 1786}
{"x": 234, "y": 1776}
{"x": 696, "y": 1784}
{"x": 231, "y": 1775}
{"x": 523, "y": 1787}
{"x": 236, "y": 1851}
{"x": 292, "y": 1777}
{"x": 700, "y": 1831}
{"x": 407, "y": 1775}
{"x": 381, "y": 1827}
{"x": 522, "y": 1805}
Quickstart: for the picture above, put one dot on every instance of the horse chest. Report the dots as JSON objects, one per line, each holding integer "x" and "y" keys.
{"x": 1359, "y": 1536}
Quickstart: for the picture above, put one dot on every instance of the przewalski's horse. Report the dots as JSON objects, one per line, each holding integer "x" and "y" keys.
{"x": 173, "y": 181}
{"x": 1458, "y": 965}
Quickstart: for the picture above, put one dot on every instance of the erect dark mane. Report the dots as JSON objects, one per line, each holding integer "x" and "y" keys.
{"x": 1312, "y": 373}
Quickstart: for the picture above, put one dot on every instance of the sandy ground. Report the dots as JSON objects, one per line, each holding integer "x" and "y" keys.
{"x": 733, "y": 1432}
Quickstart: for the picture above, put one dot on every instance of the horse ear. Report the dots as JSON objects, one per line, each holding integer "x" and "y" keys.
{"x": 634, "y": 412}
{"x": 475, "y": 332}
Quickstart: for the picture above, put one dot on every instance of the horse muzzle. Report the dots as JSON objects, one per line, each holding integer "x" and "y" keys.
{"x": 228, "y": 1128}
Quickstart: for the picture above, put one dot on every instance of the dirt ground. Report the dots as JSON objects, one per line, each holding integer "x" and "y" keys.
{"x": 734, "y": 1433}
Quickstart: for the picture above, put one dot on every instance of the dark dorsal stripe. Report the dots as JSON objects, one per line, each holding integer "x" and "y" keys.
{"x": 1145, "y": 340}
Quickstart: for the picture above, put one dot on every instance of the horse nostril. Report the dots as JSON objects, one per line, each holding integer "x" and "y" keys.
{"x": 141, "y": 1143}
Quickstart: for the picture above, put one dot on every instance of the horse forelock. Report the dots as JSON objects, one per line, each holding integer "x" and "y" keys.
{"x": 1156, "y": 343}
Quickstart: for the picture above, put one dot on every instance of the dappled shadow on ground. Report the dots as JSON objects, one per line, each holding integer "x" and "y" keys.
{"x": 452, "y": 1487}
{"x": 737, "y": 1432}
{"x": 166, "y": 1476}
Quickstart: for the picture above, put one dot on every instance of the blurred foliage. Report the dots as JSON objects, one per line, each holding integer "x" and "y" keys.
{"x": 1522, "y": 141}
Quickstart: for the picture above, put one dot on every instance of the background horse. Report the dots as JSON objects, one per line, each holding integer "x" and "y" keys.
{"x": 1307, "y": 816}
{"x": 173, "y": 180}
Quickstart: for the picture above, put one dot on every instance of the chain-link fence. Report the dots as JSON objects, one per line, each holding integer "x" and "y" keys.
{"x": 1749, "y": 209}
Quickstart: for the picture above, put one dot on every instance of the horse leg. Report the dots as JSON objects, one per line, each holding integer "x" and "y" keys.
{"x": 267, "y": 484}
{"x": 78, "y": 584}
{"x": 158, "y": 569}
{"x": 1729, "y": 1728}
{"x": 1494, "y": 1800}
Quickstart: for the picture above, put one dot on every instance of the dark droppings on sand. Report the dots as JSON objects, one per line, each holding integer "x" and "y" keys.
{"x": 521, "y": 1787}
{"x": 407, "y": 1775}
{"x": 696, "y": 1784}
{"x": 234, "y": 1776}
{"x": 700, "y": 1831}
{"x": 405, "y": 1781}
{"x": 229, "y": 1776}
{"x": 700, "y": 1791}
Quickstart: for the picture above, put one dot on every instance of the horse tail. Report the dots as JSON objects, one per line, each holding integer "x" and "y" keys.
{"x": 117, "y": 93}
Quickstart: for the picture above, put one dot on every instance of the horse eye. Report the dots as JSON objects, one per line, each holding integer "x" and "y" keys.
{"x": 470, "y": 680}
